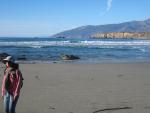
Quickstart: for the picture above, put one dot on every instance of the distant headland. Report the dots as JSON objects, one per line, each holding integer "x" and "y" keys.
{"x": 132, "y": 29}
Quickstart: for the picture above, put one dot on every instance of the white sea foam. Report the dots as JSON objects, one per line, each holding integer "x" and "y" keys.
{"x": 38, "y": 44}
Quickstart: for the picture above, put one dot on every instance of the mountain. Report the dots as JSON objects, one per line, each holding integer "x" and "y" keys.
{"x": 89, "y": 30}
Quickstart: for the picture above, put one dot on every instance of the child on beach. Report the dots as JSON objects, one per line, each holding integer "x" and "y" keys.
{"x": 11, "y": 85}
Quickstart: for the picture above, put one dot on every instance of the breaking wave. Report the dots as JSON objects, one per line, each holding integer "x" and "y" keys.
{"x": 39, "y": 44}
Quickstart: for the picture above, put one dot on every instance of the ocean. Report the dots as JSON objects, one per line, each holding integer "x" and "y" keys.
{"x": 49, "y": 50}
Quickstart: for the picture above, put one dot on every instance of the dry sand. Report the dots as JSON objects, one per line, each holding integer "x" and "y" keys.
{"x": 84, "y": 88}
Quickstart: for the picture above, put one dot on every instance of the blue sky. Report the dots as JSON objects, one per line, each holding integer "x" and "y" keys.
{"x": 47, "y": 17}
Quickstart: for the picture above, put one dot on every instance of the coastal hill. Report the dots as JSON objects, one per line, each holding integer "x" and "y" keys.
{"x": 90, "y": 30}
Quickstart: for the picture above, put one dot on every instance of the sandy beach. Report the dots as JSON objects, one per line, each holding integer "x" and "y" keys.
{"x": 84, "y": 88}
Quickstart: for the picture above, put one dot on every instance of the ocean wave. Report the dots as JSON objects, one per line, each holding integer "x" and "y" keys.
{"x": 39, "y": 44}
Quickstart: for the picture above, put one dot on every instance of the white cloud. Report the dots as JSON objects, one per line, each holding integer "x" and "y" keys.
{"x": 109, "y": 5}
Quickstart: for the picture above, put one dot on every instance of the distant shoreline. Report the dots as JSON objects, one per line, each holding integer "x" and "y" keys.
{"x": 127, "y": 35}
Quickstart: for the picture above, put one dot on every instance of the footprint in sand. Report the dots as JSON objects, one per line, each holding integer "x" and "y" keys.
{"x": 51, "y": 107}
{"x": 37, "y": 77}
{"x": 120, "y": 75}
{"x": 147, "y": 107}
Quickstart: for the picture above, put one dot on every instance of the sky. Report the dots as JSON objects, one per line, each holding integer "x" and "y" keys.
{"x": 31, "y": 18}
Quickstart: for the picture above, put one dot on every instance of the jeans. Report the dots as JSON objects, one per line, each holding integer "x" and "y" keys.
{"x": 9, "y": 103}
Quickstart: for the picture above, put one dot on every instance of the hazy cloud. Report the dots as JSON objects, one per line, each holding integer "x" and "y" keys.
{"x": 109, "y": 5}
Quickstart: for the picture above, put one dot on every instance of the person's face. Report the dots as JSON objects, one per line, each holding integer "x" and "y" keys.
{"x": 7, "y": 64}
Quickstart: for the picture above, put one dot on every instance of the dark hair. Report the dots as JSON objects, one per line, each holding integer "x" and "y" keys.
{"x": 13, "y": 65}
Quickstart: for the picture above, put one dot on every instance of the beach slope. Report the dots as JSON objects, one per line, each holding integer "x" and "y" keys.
{"x": 84, "y": 88}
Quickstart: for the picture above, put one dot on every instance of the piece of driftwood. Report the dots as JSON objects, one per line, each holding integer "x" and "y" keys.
{"x": 111, "y": 109}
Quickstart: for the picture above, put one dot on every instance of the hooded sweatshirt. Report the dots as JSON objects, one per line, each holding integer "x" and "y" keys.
{"x": 14, "y": 76}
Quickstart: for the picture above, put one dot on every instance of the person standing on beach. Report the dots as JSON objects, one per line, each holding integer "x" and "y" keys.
{"x": 11, "y": 85}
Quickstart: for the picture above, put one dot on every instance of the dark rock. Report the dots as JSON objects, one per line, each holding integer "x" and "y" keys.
{"x": 55, "y": 62}
{"x": 3, "y": 55}
{"x": 60, "y": 37}
{"x": 22, "y": 58}
{"x": 69, "y": 57}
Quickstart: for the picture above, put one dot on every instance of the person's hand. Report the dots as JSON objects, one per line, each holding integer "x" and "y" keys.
{"x": 14, "y": 98}
{"x": 1, "y": 98}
